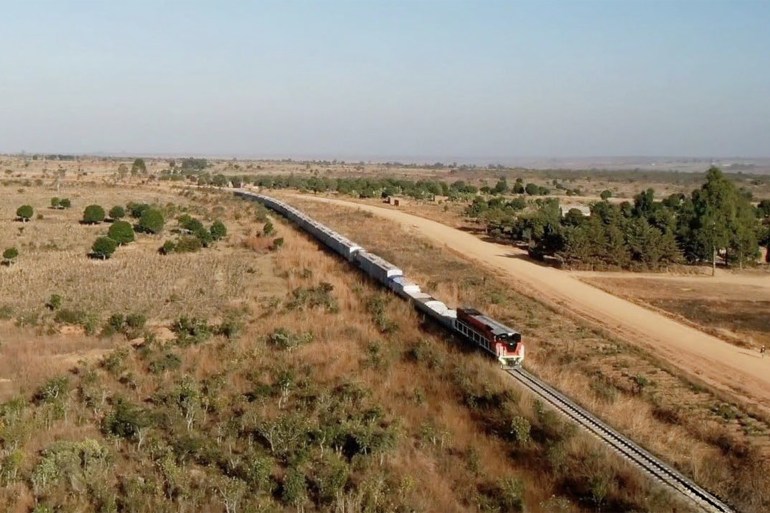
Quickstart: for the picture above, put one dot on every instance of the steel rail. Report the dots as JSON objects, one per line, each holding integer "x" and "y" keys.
{"x": 624, "y": 446}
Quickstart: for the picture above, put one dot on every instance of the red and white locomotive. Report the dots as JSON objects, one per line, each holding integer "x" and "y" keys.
{"x": 494, "y": 337}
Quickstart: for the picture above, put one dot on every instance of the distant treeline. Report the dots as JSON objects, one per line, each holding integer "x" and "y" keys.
{"x": 716, "y": 218}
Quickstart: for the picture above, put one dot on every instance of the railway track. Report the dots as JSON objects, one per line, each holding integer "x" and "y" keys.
{"x": 626, "y": 448}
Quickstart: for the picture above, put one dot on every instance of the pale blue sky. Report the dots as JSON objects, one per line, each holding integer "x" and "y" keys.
{"x": 386, "y": 79}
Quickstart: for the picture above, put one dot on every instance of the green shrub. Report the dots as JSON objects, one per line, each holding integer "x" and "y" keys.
{"x": 25, "y": 213}
{"x": 126, "y": 420}
{"x": 286, "y": 340}
{"x": 191, "y": 330}
{"x": 55, "y": 202}
{"x": 53, "y": 390}
{"x": 168, "y": 247}
{"x": 93, "y": 214}
{"x": 151, "y": 221}
{"x": 121, "y": 232}
{"x": 268, "y": 229}
{"x": 188, "y": 244}
{"x": 9, "y": 255}
{"x": 54, "y": 302}
{"x": 117, "y": 212}
{"x": 168, "y": 361}
{"x": 103, "y": 248}
{"x": 65, "y": 203}
{"x": 218, "y": 230}
{"x": 137, "y": 209}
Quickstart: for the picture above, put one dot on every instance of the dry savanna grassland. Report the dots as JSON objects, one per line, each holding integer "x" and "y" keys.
{"x": 733, "y": 306}
{"x": 721, "y": 444}
{"x": 271, "y": 377}
{"x": 258, "y": 375}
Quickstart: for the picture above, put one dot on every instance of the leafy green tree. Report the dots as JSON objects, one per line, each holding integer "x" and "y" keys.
{"x": 25, "y": 213}
{"x": 606, "y": 194}
{"x": 218, "y": 230}
{"x": 117, "y": 212}
{"x": 65, "y": 203}
{"x": 121, "y": 232}
{"x": 532, "y": 189}
{"x": 151, "y": 221}
{"x": 501, "y": 187}
{"x": 55, "y": 203}
{"x": 93, "y": 214}
{"x": 9, "y": 256}
{"x": 720, "y": 218}
{"x": 138, "y": 167}
{"x": 104, "y": 247}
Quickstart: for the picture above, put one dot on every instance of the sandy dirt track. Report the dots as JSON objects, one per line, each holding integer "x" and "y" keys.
{"x": 728, "y": 367}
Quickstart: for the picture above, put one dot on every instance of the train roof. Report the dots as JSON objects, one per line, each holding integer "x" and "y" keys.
{"x": 497, "y": 327}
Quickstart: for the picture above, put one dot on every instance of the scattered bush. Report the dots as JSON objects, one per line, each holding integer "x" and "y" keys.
{"x": 218, "y": 230}
{"x": 126, "y": 420}
{"x": 168, "y": 247}
{"x": 93, "y": 214}
{"x": 117, "y": 212}
{"x": 121, "y": 232}
{"x": 606, "y": 194}
{"x": 54, "y": 302}
{"x": 103, "y": 248}
{"x": 89, "y": 322}
{"x": 151, "y": 221}
{"x": 65, "y": 203}
{"x": 25, "y": 213}
{"x": 190, "y": 331}
{"x": 9, "y": 256}
{"x": 268, "y": 229}
{"x": 188, "y": 244}
{"x": 137, "y": 209}
{"x": 319, "y": 296}
{"x": 286, "y": 340}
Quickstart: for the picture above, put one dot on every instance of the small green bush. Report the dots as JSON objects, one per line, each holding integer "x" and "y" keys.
{"x": 121, "y": 232}
{"x": 218, "y": 230}
{"x": 151, "y": 221}
{"x": 117, "y": 212}
{"x": 9, "y": 255}
{"x": 93, "y": 214}
{"x": 25, "y": 213}
{"x": 188, "y": 244}
{"x": 103, "y": 248}
{"x": 168, "y": 247}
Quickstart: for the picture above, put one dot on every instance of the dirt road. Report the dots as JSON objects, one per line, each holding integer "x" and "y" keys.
{"x": 714, "y": 361}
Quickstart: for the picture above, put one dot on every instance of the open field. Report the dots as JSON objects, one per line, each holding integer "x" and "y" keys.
{"x": 733, "y": 307}
{"x": 705, "y": 434}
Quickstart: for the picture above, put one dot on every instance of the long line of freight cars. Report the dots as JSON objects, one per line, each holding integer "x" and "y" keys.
{"x": 492, "y": 336}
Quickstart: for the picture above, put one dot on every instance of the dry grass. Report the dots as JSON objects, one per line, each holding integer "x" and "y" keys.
{"x": 735, "y": 312}
{"x": 631, "y": 390}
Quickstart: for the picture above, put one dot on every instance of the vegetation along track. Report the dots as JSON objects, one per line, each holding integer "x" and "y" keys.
{"x": 627, "y": 449}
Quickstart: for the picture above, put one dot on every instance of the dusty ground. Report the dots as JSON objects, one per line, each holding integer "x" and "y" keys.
{"x": 715, "y": 361}
{"x": 732, "y": 306}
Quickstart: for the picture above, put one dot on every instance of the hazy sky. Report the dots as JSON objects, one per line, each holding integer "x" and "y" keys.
{"x": 381, "y": 79}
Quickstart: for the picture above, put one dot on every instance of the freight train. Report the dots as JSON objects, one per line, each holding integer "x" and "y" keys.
{"x": 494, "y": 337}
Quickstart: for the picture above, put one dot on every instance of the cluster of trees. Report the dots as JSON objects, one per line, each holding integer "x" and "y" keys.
{"x": 383, "y": 187}
{"x": 193, "y": 235}
{"x": 60, "y": 203}
{"x": 149, "y": 220}
{"x": 716, "y": 219}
